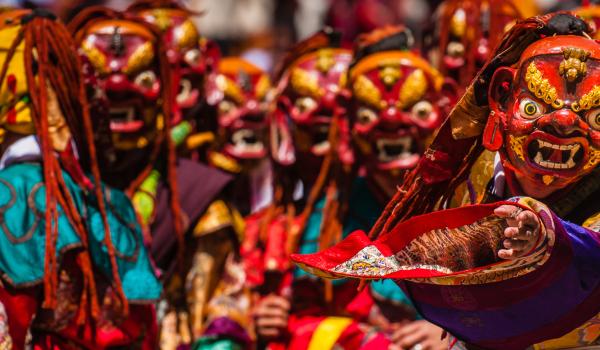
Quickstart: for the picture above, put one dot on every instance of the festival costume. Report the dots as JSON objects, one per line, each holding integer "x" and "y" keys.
{"x": 204, "y": 295}
{"x": 532, "y": 104}
{"x": 312, "y": 97}
{"x": 75, "y": 272}
{"x": 464, "y": 32}
{"x": 192, "y": 58}
{"x": 238, "y": 98}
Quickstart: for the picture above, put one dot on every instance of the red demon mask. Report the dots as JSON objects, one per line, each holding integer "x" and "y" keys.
{"x": 124, "y": 55}
{"x": 546, "y": 114}
{"x": 311, "y": 88}
{"x": 398, "y": 100}
{"x": 191, "y": 57}
{"x": 239, "y": 91}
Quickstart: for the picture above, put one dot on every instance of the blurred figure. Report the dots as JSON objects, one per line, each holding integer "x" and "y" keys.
{"x": 191, "y": 229}
{"x": 238, "y": 98}
{"x": 74, "y": 274}
{"x": 462, "y": 33}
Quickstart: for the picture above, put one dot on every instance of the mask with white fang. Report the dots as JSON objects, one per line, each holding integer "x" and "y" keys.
{"x": 545, "y": 118}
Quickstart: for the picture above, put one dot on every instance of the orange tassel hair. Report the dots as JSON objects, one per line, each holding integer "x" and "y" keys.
{"x": 51, "y": 62}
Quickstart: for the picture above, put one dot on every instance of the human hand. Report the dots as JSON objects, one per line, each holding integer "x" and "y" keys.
{"x": 522, "y": 232}
{"x": 418, "y": 335}
{"x": 271, "y": 316}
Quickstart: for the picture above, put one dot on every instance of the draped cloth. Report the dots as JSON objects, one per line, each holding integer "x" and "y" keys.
{"x": 446, "y": 262}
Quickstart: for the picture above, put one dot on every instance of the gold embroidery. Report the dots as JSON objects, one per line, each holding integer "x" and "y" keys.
{"x": 305, "y": 83}
{"x": 573, "y": 66}
{"x": 390, "y": 74}
{"x": 186, "y": 35}
{"x": 325, "y": 60}
{"x": 365, "y": 91}
{"x": 262, "y": 87}
{"x": 413, "y": 89}
{"x": 230, "y": 88}
{"x": 140, "y": 59}
{"x": 96, "y": 57}
{"x": 588, "y": 101}
{"x": 541, "y": 87}
{"x": 517, "y": 145}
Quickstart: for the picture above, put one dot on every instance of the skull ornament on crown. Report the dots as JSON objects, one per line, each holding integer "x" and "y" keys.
{"x": 191, "y": 56}
{"x": 398, "y": 100}
{"x": 310, "y": 95}
{"x": 467, "y": 30}
{"x": 545, "y": 115}
{"x": 239, "y": 93}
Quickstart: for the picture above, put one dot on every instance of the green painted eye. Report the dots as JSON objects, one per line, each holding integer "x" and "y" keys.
{"x": 530, "y": 109}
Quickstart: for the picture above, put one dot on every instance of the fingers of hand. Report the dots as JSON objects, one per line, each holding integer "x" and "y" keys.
{"x": 508, "y": 212}
{"x": 411, "y": 334}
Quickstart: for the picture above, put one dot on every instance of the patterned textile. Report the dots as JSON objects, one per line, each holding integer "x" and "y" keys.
{"x": 559, "y": 271}
{"x": 22, "y": 236}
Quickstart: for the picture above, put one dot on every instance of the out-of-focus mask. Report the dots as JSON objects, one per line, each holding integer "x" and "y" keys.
{"x": 239, "y": 93}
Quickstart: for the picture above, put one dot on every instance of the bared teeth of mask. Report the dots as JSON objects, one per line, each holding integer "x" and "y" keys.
{"x": 130, "y": 114}
{"x": 186, "y": 88}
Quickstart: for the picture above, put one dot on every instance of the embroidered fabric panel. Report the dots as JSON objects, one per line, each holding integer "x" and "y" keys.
{"x": 468, "y": 254}
{"x": 369, "y": 262}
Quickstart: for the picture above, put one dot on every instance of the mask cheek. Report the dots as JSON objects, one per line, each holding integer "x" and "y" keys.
{"x": 519, "y": 126}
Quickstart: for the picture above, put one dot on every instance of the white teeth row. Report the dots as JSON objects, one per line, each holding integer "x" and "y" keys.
{"x": 321, "y": 147}
{"x": 129, "y": 113}
{"x": 559, "y": 147}
{"x": 405, "y": 141}
{"x": 539, "y": 159}
{"x": 186, "y": 89}
{"x": 240, "y": 143}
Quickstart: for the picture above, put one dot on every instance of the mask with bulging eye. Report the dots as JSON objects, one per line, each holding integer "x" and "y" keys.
{"x": 546, "y": 115}
{"x": 239, "y": 93}
{"x": 124, "y": 55}
{"x": 398, "y": 100}
{"x": 191, "y": 57}
{"x": 311, "y": 95}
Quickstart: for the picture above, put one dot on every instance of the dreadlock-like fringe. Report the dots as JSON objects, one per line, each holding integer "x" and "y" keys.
{"x": 51, "y": 63}
{"x": 163, "y": 145}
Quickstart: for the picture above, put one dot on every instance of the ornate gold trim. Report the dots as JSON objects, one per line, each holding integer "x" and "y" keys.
{"x": 541, "y": 87}
{"x": 517, "y": 143}
{"x": 587, "y": 101}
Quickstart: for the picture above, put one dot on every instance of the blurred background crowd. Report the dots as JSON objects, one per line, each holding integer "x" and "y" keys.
{"x": 261, "y": 30}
